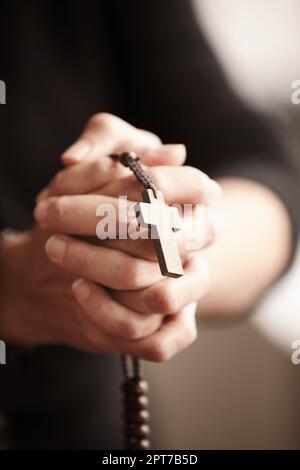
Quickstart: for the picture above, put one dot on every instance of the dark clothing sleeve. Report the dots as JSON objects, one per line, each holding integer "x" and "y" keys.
{"x": 174, "y": 86}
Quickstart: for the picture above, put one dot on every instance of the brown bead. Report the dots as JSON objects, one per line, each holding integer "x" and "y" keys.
{"x": 136, "y": 430}
{"x": 136, "y": 402}
{"x": 137, "y": 416}
{"x": 135, "y": 387}
{"x": 145, "y": 444}
{"x": 137, "y": 444}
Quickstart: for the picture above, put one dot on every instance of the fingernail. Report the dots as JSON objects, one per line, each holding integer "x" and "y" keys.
{"x": 40, "y": 212}
{"x": 42, "y": 195}
{"x": 81, "y": 289}
{"x": 77, "y": 151}
{"x": 55, "y": 248}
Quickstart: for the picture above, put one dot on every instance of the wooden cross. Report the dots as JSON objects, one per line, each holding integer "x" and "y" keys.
{"x": 163, "y": 221}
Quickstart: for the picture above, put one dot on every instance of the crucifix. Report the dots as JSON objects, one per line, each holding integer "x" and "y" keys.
{"x": 162, "y": 221}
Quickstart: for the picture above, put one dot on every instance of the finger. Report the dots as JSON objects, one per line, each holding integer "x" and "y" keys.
{"x": 176, "y": 333}
{"x": 80, "y": 215}
{"x": 96, "y": 214}
{"x": 91, "y": 175}
{"x": 111, "y": 268}
{"x": 106, "y": 133}
{"x": 111, "y": 317}
{"x": 168, "y": 154}
{"x": 84, "y": 177}
{"x": 184, "y": 185}
{"x": 169, "y": 296}
{"x": 199, "y": 230}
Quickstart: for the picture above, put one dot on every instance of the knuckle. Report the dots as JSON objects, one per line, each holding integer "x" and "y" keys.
{"x": 147, "y": 250}
{"x": 155, "y": 140}
{"x": 162, "y": 299}
{"x": 95, "y": 173}
{"x": 119, "y": 282}
{"x": 196, "y": 174}
{"x": 92, "y": 339}
{"x": 57, "y": 182}
{"x": 58, "y": 208}
{"x": 80, "y": 259}
{"x": 96, "y": 167}
{"x": 198, "y": 178}
{"x": 159, "y": 352}
{"x": 133, "y": 276}
{"x": 190, "y": 334}
{"x": 103, "y": 120}
{"x": 85, "y": 330}
{"x": 129, "y": 330}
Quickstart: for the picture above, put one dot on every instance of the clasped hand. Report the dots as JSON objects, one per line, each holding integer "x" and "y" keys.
{"x": 119, "y": 301}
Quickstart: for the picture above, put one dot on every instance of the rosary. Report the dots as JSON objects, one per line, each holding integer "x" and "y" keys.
{"x": 163, "y": 220}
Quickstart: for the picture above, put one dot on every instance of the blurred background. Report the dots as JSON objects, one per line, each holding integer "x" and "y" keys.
{"x": 236, "y": 387}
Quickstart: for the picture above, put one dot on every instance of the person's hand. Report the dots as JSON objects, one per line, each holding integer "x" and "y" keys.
{"x": 38, "y": 307}
{"x": 90, "y": 170}
{"x": 139, "y": 285}
{"x": 87, "y": 162}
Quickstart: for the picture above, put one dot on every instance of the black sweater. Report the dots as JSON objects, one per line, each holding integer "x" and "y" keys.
{"x": 148, "y": 62}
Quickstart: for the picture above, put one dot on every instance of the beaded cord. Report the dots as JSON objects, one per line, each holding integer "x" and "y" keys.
{"x": 134, "y": 387}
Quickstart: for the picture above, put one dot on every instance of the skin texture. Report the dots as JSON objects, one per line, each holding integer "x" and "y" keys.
{"x": 62, "y": 289}
{"x": 134, "y": 309}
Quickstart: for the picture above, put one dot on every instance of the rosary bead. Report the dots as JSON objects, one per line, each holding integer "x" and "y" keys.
{"x": 134, "y": 443}
{"x": 140, "y": 402}
{"x": 137, "y": 416}
{"x": 137, "y": 387}
{"x": 145, "y": 444}
{"x": 136, "y": 430}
